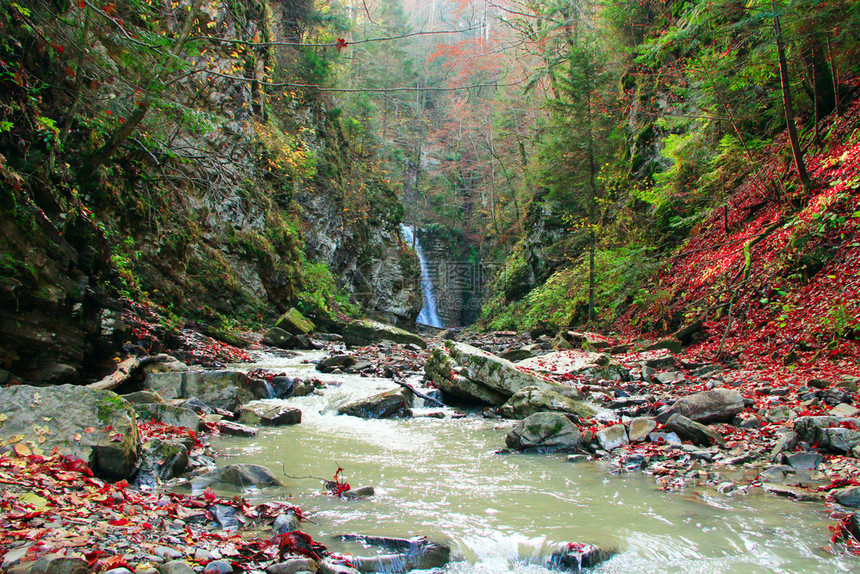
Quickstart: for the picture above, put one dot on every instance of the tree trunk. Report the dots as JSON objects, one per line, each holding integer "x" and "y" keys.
{"x": 789, "y": 108}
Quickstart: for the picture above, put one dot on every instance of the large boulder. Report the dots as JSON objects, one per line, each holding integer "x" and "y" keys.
{"x": 99, "y": 427}
{"x": 366, "y": 332}
{"x": 831, "y": 433}
{"x": 545, "y": 432}
{"x": 393, "y": 403}
{"x": 707, "y": 406}
{"x": 239, "y": 476}
{"x": 219, "y": 389}
{"x": 294, "y": 323}
{"x": 692, "y": 431}
{"x": 267, "y": 414}
{"x": 471, "y": 373}
{"x": 444, "y": 372}
{"x": 531, "y": 400}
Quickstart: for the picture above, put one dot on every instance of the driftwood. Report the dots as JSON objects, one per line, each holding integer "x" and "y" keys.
{"x": 123, "y": 372}
{"x": 420, "y": 394}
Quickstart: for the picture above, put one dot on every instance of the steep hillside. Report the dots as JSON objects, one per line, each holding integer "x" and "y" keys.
{"x": 169, "y": 156}
{"x": 716, "y": 190}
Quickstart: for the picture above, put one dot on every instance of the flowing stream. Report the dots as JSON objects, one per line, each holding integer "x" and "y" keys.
{"x": 428, "y": 315}
{"x": 502, "y": 513}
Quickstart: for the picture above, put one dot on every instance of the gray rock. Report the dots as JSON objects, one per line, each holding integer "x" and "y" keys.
{"x": 663, "y": 360}
{"x": 161, "y": 460}
{"x": 575, "y": 556}
{"x": 333, "y": 362}
{"x": 785, "y": 442}
{"x": 844, "y": 410}
{"x": 692, "y": 431}
{"x": 794, "y": 492}
{"x": 58, "y": 564}
{"x": 444, "y": 372}
{"x": 266, "y": 414}
{"x": 640, "y": 428}
{"x": 281, "y": 339}
{"x": 545, "y": 432}
{"x": 241, "y": 476}
{"x": 847, "y": 496}
{"x": 360, "y": 492}
{"x": 667, "y": 377}
{"x": 175, "y": 567}
{"x": 533, "y": 400}
{"x": 218, "y": 567}
{"x": 144, "y": 398}
{"x": 612, "y": 437}
{"x": 293, "y": 566}
{"x": 236, "y": 429}
{"x": 226, "y": 516}
{"x": 286, "y": 522}
{"x": 829, "y": 432}
{"x": 393, "y": 403}
{"x": 804, "y": 460}
{"x": 515, "y": 355}
{"x": 707, "y": 406}
{"x": 328, "y": 566}
{"x": 99, "y": 427}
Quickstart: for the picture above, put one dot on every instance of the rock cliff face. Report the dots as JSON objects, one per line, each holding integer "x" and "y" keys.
{"x": 229, "y": 201}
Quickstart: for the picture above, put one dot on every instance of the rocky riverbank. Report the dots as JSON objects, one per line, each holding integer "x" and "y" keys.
{"x": 98, "y": 491}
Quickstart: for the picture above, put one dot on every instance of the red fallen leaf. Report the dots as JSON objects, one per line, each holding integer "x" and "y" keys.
{"x": 121, "y": 485}
{"x": 209, "y": 495}
{"x": 120, "y": 522}
{"x": 89, "y": 430}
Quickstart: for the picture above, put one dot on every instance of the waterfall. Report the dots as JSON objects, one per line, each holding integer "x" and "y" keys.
{"x": 428, "y": 315}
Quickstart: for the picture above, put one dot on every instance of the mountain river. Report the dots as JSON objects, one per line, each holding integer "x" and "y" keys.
{"x": 501, "y": 513}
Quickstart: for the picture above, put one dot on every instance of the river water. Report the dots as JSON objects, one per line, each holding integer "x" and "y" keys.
{"x": 501, "y": 513}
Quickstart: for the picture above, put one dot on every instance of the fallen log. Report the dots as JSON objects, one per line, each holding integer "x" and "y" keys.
{"x": 420, "y": 394}
{"x": 123, "y": 372}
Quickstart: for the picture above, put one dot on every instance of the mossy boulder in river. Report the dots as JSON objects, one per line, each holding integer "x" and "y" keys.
{"x": 393, "y": 403}
{"x": 545, "y": 432}
{"x": 99, "y": 427}
{"x": 294, "y": 323}
{"x": 531, "y": 400}
{"x": 473, "y": 374}
{"x": 367, "y": 332}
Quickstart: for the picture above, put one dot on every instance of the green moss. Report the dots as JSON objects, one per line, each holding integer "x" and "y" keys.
{"x": 108, "y": 405}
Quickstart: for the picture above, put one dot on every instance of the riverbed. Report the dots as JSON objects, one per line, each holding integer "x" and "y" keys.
{"x": 444, "y": 478}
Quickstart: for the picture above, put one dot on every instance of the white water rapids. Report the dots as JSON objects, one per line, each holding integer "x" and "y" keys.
{"x": 502, "y": 513}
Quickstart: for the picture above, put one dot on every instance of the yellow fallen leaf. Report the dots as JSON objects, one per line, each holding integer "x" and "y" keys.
{"x": 33, "y": 500}
{"x": 14, "y": 439}
{"x": 22, "y": 449}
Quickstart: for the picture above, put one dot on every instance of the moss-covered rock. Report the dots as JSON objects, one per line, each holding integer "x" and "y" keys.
{"x": 367, "y": 332}
{"x": 99, "y": 427}
{"x": 294, "y": 323}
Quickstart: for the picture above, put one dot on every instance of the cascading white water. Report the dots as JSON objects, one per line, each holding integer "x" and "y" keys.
{"x": 428, "y": 315}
